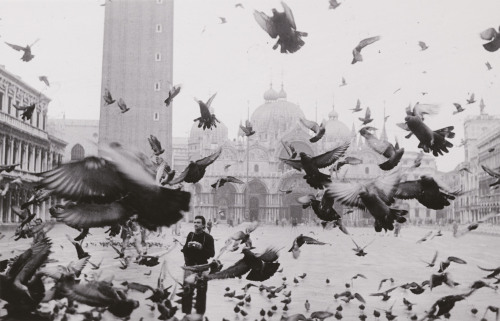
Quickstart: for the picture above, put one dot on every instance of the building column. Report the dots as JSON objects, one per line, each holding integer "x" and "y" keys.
{"x": 10, "y": 150}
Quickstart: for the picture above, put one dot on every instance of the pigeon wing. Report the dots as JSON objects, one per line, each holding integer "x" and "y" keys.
{"x": 346, "y": 193}
{"x": 236, "y": 270}
{"x": 490, "y": 171}
{"x": 312, "y": 125}
{"x": 295, "y": 163}
{"x": 20, "y": 48}
{"x": 368, "y": 41}
{"x": 488, "y": 34}
{"x": 289, "y": 15}
{"x": 91, "y": 179}
{"x": 408, "y": 190}
{"x": 209, "y": 159}
{"x": 328, "y": 158}
{"x": 265, "y": 23}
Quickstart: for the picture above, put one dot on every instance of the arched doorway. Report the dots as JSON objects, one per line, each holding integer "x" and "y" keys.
{"x": 254, "y": 209}
{"x": 257, "y": 193}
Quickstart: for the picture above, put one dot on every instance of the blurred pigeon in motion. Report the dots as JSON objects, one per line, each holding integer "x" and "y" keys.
{"x": 206, "y": 120}
{"x": 261, "y": 267}
{"x": 244, "y": 237}
{"x": 290, "y": 150}
{"x": 311, "y": 165}
{"x": 494, "y": 272}
{"x": 282, "y": 26}
{"x": 445, "y": 264}
{"x": 8, "y": 168}
{"x": 123, "y": 106}
{"x": 429, "y": 140}
{"x": 155, "y": 145}
{"x": 343, "y": 82}
{"x": 493, "y": 36}
{"x": 357, "y": 108}
{"x": 488, "y": 65}
{"x": 360, "y": 251}
{"x": 174, "y": 91}
{"x": 383, "y": 281}
{"x": 301, "y": 240}
{"x": 375, "y": 196}
{"x": 474, "y": 225}
{"x": 423, "y": 45}
{"x": 247, "y": 129}
{"x": 433, "y": 261}
{"x": 367, "y": 119}
{"x": 333, "y": 4}
{"x": 493, "y": 174}
{"x": 222, "y": 20}
{"x": 108, "y": 99}
{"x": 384, "y": 148}
{"x": 356, "y": 52}
{"x": 27, "y": 56}
{"x": 110, "y": 189}
{"x": 196, "y": 170}
{"x": 319, "y": 130}
{"x": 439, "y": 279}
{"x": 45, "y": 80}
{"x": 27, "y": 111}
{"x": 21, "y": 287}
{"x": 444, "y": 306}
{"x": 346, "y": 161}
{"x": 98, "y": 294}
{"x": 471, "y": 99}
{"x": 430, "y": 192}
{"x": 228, "y": 179}
{"x": 459, "y": 108}
{"x": 418, "y": 161}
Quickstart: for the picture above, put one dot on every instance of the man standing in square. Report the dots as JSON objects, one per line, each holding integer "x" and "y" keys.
{"x": 199, "y": 247}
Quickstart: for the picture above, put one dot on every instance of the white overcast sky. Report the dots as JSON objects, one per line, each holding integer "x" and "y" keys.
{"x": 236, "y": 60}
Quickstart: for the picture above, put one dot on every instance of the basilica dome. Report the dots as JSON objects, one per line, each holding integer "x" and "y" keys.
{"x": 276, "y": 115}
{"x": 336, "y": 130}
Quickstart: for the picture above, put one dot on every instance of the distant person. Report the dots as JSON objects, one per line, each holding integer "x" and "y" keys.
{"x": 209, "y": 226}
{"x": 199, "y": 247}
{"x": 397, "y": 228}
{"x": 294, "y": 222}
{"x": 455, "y": 228}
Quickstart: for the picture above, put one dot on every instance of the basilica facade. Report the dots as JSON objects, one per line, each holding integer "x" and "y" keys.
{"x": 256, "y": 161}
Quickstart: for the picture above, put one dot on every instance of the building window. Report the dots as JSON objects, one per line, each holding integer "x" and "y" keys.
{"x": 43, "y": 121}
{"x": 256, "y": 168}
{"x": 9, "y": 106}
{"x": 77, "y": 152}
{"x": 1, "y": 101}
{"x": 156, "y": 116}
{"x": 159, "y": 28}
{"x": 38, "y": 119}
{"x": 158, "y": 56}
{"x": 157, "y": 86}
{"x": 367, "y": 170}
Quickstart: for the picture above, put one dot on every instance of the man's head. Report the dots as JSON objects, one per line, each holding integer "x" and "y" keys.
{"x": 199, "y": 223}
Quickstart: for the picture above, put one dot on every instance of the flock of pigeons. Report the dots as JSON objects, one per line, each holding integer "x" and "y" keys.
{"x": 108, "y": 190}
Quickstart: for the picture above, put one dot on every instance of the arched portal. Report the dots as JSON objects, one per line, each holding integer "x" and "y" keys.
{"x": 77, "y": 152}
{"x": 225, "y": 200}
{"x": 257, "y": 191}
{"x": 254, "y": 208}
